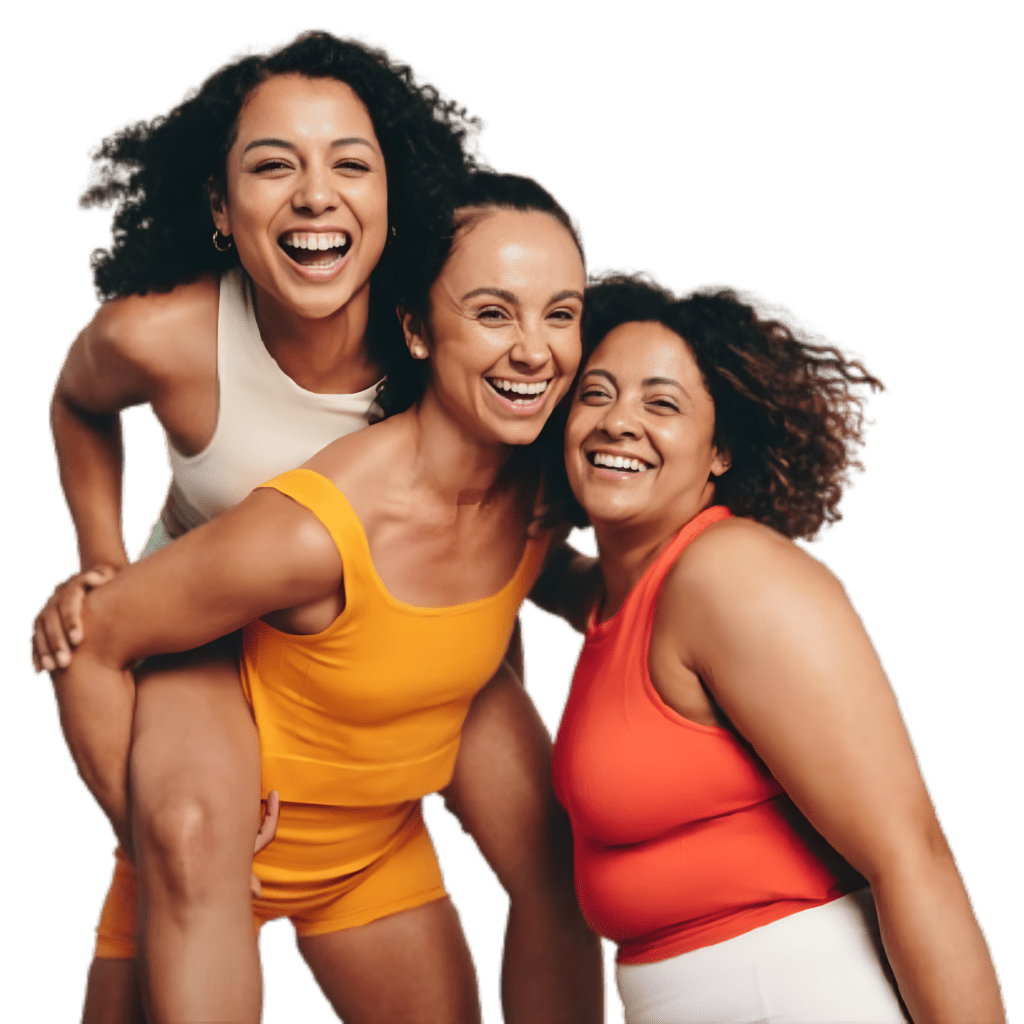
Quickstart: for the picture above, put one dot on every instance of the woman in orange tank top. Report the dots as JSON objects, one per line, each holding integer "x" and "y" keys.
{"x": 731, "y": 755}
{"x": 381, "y": 583}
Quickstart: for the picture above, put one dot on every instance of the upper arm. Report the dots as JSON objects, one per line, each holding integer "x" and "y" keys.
{"x": 108, "y": 366}
{"x": 774, "y": 638}
{"x": 134, "y": 346}
{"x": 569, "y": 584}
{"x": 266, "y": 553}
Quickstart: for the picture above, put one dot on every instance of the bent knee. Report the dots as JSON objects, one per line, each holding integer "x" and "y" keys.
{"x": 186, "y": 848}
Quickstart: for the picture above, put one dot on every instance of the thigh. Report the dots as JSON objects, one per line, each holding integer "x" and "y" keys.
{"x": 195, "y": 750}
{"x": 501, "y": 789}
{"x": 413, "y": 966}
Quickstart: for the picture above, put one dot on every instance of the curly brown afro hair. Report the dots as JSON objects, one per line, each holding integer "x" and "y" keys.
{"x": 785, "y": 408}
{"x": 159, "y": 176}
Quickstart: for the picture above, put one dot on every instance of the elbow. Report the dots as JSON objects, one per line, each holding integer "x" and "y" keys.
{"x": 911, "y": 859}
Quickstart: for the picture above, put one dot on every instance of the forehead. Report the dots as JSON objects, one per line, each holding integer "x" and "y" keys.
{"x": 642, "y": 349}
{"x": 516, "y": 249}
{"x": 295, "y": 108}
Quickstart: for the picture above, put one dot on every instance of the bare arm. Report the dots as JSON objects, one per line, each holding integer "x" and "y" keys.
{"x": 142, "y": 349}
{"x": 267, "y": 553}
{"x": 775, "y": 640}
{"x": 569, "y": 585}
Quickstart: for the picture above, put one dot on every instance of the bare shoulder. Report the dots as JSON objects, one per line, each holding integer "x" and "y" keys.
{"x": 364, "y": 462}
{"x": 291, "y": 539}
{"x": 739, "y": 564}
{"x": 157, "y": 331}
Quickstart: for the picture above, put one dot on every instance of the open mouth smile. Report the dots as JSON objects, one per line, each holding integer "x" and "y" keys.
{"x": 317, "y": 250}
{"x": 519, "y": 392}
{"x": 620, "y": 463}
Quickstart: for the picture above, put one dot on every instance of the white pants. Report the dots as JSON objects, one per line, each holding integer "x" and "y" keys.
{"x": 820, "y": 965}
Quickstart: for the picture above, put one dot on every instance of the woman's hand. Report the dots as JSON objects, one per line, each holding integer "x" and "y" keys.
{"x": 267, "y": 831}
{"x": 58, "y": 627}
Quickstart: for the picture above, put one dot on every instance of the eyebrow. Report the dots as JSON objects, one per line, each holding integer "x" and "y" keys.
{"x": 569, "y": 293}
{"x": 647, "y": 382}
{"x": 353, "y": 140}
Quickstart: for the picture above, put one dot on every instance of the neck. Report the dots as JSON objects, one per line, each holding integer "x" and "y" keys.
{"x": 626, "y": 550}
{"x": 327, "y": 355}
{"x": 458, "y": 468}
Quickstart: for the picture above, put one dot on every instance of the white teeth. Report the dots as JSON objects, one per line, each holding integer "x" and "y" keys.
{"x": 519, "y": 387}
{"x": 316, "y": 239}
{"x": 618, "y": 462}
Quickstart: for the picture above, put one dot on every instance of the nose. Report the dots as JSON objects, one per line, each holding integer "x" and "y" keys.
{"x": 530, "y": 351}
{"x": 315, "y": 193}
{"x": 618, "y": 421}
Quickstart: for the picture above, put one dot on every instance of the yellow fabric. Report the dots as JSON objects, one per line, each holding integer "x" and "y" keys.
{"x": 369, "y": 711}
{"x": 404, "y": 876}
{"x": 356, "y": 724}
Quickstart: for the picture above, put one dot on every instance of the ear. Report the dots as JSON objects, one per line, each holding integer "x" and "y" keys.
{"x": 721, "y": 462}
{"x": 415, "y": 334}
{"x": 218, "y": 210}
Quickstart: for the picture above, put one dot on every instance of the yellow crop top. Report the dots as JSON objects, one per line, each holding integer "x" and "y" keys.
{"x": 369, "y": 711}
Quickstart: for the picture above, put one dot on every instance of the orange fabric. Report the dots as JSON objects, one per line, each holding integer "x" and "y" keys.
{"x": 356, "y": 724}
{"x": 369, "y": 711}
{"x": 679, "y": 843}
{"x": 115, "y": 934}
{"x": 405, "y": 876}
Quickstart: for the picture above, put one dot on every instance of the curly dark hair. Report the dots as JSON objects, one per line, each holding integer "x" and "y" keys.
{"x": 159, "y": 174}
{"x": 785, "y": 406}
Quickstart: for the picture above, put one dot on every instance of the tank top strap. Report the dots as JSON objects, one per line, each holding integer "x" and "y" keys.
{"x": 650, "y": 584}
{"x": 321, "y": 496}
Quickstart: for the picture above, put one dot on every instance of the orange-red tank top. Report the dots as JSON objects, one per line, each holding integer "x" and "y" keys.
{"x": 679, "y": 842}
{"x": 369, "y": 712}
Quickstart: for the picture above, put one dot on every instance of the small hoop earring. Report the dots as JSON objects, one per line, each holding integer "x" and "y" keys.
{"x": 217, "y": 236}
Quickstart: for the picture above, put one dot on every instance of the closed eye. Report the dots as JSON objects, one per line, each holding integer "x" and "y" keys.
{"x": 351, "y": 165}
{"x": 272, "y": 165}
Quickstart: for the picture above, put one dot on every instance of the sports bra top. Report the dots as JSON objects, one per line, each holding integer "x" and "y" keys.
{"x": 369, "y": 711}
{"x": 266, "y": 423}
{"x": 679, "y": 839}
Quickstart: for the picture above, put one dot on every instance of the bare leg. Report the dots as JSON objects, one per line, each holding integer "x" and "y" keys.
{"x": 112, "y": 994}
{"x": 501, "y": 792}
{"x": 194, "y": 779}
{"x": 412, "y": 967}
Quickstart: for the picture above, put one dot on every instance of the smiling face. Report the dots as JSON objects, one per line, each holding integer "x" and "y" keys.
{"x": 639, "y": 440}
{"x": 504, "y": 333}
{"x": 306, "y": 202}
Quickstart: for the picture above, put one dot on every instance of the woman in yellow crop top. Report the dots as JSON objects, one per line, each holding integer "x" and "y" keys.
{"x": 381, "y": 583}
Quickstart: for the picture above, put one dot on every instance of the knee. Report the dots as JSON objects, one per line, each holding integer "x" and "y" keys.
{"x": 186, "y": 849}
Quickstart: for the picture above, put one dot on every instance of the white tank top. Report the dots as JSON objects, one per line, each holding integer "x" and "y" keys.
{"x": 266, "y": 423}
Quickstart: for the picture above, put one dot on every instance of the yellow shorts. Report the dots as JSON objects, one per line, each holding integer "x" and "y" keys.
{"x": 299, "y": 880}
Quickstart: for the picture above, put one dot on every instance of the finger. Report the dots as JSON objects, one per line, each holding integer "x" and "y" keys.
{"x": 254, "y": 886}
{"x": 41, "y": 648}
{"x": 57, "y": 642}
{"x": 268, "y": 827}
{"x": 69, "y": 607}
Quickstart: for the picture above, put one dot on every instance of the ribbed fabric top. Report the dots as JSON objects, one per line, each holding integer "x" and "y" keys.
{"x": 266, "y": 423}
{"x": 679, "y": 842}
